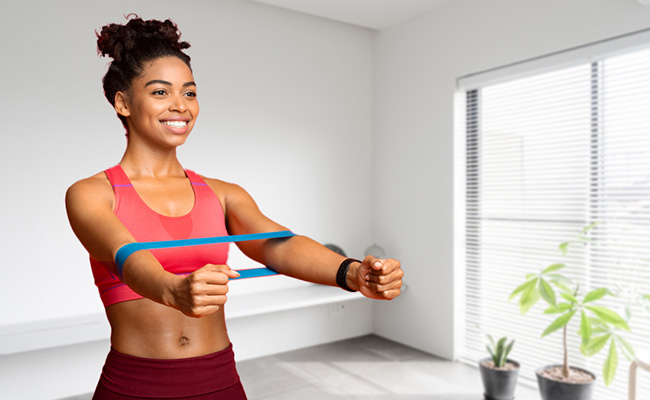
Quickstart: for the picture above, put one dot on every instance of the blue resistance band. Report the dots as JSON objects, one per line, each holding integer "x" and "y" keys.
{"x": 125, "y": 251}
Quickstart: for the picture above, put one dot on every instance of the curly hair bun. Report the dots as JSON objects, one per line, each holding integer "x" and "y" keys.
{"x": 137, "y": 35}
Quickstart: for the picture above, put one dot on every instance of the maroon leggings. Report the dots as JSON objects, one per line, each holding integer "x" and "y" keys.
{"x": 209, "y": 377}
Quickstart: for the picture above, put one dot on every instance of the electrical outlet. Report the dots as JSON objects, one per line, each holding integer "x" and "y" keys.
{"x": 336, "y": 309}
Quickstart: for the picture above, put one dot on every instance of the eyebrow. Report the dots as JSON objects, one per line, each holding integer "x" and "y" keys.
{"x": 156, "y": 81}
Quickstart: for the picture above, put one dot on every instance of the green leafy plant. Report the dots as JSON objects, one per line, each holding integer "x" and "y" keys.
{"x": 499, "y": 350}
{"x": 599, "y": 326}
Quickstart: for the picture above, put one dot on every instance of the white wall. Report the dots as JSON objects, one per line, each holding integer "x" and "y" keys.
{"x": 416, "y": 66}
{"x": 286, "y": 112}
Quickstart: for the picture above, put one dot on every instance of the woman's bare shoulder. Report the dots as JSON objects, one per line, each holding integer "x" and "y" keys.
{"x": 94, "y": 187}
{"x": 230, "y": 194}
{"x": 222, "y": 187}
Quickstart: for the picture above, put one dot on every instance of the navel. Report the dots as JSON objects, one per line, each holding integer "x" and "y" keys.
{"x": 184, "y": 340}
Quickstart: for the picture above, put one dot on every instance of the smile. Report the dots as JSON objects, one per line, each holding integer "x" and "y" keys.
{"x": 175, "y": 124}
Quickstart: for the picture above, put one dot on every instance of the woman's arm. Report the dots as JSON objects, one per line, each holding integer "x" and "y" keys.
{"x": 302, "y": 257}
{"x": 89, "y": 204}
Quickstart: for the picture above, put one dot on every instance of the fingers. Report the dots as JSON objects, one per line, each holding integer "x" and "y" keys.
{"x": 230, "y": 273}
{"x": 383, "y": 278}
{"x": 381, "y": 266}
{"x": 206, "y": 290}
{"x": 215, "y": 274}
{"x": 211, "y": 280}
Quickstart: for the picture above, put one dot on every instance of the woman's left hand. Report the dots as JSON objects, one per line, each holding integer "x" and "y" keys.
{"x": 379, "y": 279}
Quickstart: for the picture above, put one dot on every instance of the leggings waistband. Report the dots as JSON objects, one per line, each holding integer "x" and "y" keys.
{"x": 169, "y": 378}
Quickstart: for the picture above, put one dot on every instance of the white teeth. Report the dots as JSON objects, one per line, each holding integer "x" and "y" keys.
{"x": 175, "y": 124}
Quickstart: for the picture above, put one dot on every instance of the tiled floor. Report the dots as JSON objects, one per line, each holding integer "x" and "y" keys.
{"x": 369, "y": 367}
{"x": 364, "y": 368}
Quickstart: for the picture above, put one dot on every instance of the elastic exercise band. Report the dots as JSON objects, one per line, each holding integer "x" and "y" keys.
{"x": 125, "y": 251}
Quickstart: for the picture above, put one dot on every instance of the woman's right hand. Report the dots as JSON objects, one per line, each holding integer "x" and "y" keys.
{"x": 204, "y": 291}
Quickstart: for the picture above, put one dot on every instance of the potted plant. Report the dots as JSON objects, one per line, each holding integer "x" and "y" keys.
{"x": 498, "y": 373}
{"x": 599, "y": 327}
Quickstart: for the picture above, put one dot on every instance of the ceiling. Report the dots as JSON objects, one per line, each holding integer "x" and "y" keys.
{"x": 373, "y": 14}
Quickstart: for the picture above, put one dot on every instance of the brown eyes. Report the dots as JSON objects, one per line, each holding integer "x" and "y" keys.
{"x": 162, "y": 92}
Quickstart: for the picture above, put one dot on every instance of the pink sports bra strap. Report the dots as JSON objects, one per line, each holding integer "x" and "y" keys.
{"x": 195, "y": 179}
{"x": 117, "y": 177}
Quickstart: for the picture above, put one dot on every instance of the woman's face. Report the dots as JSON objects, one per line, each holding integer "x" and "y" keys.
{"x": 161, "y": 105}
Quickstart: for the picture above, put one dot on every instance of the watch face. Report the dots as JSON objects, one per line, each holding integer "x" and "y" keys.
{"x": 335, "y": 249}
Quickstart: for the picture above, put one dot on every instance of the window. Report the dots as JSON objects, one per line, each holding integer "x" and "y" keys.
{"x": 546, "y": 155}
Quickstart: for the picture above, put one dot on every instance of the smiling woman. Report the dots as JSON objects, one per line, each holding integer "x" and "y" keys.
{"x": 166, "y": 305}
{"x": 162, "y": 100}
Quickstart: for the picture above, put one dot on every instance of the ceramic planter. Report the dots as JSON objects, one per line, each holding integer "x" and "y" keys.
{"x": 498, "y": 384}
{"x": 554, "y": 390}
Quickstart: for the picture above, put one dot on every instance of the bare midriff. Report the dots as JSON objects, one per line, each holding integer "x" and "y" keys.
{"x": 144, "y": 328}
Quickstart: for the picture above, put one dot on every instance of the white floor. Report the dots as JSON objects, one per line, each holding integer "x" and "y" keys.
{"x": 369, "y": 367}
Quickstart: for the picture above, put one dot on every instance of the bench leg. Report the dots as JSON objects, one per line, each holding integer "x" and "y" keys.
{"x": 632, "y": 383}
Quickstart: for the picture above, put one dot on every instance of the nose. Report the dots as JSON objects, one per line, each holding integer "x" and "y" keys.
{"x": 177, "y": 104}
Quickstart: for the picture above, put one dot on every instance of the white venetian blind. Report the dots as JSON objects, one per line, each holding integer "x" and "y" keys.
{"x": 546, "y": 155}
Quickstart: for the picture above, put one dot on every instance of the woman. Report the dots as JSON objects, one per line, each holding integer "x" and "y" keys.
{"x": 168, "y": 332}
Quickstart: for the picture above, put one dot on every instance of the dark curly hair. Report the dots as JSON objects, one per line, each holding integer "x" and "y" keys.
{"x": 131, "y": 46}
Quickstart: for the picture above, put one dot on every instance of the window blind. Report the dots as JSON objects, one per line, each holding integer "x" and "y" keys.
{"x": 547, "y": 155}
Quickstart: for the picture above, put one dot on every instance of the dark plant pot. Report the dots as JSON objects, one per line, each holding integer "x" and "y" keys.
{"x": 498, "y": 385}
{"x": 555, "y": 390}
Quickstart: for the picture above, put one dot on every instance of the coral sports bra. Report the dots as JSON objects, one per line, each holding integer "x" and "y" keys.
{"x": 206, "y": 219}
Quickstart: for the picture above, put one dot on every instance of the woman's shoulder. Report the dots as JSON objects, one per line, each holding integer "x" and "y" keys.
{"x": 95, "y": 187}
{"x": 220, "y": 186}
{"x": 98, "y": 181}
{"x": 228, "y": 193}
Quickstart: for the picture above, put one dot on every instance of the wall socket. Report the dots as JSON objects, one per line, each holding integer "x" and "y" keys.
{"x": 336, "y": 309}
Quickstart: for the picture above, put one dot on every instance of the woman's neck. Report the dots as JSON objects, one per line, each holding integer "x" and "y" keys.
{"x": 153, "y": 164}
